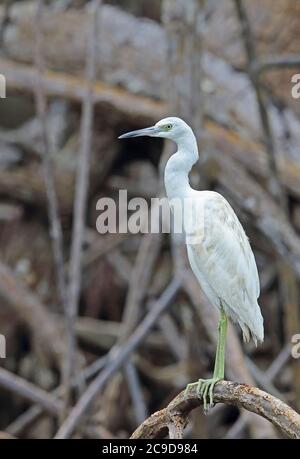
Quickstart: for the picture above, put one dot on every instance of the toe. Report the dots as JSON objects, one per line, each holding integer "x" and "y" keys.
{"x": 205, "y": 398}
{"x": 211, "y": 395}
{"x": 199, "y": 387}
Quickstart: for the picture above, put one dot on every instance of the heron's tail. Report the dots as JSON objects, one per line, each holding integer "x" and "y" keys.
{"x": 254, "y": 328}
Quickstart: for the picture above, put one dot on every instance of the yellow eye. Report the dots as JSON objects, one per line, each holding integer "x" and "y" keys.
{"x": 168, "y": 127}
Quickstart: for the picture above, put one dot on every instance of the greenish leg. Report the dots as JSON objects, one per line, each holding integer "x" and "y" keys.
{"x": 205, "y": 387}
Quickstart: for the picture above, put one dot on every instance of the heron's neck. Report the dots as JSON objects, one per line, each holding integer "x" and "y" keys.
{"x": 178, "y": 167}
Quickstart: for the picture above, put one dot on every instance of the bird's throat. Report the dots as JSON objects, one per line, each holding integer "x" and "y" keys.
{"x": 177, "y": 174}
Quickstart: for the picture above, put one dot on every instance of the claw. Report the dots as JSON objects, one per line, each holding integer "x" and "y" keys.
{"x": 188, "y": 387}
{"x": 205, "y": 391}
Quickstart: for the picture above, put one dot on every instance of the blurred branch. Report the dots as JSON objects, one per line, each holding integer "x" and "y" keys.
{"x": 6, "y": 436}
{"x": 275, "y": 62}
{"x": 29, "y": 309}
{"x": 176, "y": 342}
{"x": 290, "y": 296}
{"x": 262, "y": 380}
{"x": 282, "y": 358}
{"x": 136, "y": 108}
{"x": 5, "y": 19}
{"x": 30, "y": 392}
{"x": 135, "y": 390}
{"x": 34, "y": 412}
{"x": 82, "y": 182}
{"x": 184, "y": 23}
{"x": 140, "y": 278}
{"x": 25, "y": 420}
{"x": 25, "y": 182}
{"x": 117, "y": 358}
{"x": 56, "y": 233}
{"x": 175, "y": 416}
{"x": 275, "y": 186}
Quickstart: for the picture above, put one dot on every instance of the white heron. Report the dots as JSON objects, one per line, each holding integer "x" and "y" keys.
{"x": 221, "y": 257}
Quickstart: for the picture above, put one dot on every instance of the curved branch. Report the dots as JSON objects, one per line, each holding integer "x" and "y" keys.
{"x": 174, "y": 417}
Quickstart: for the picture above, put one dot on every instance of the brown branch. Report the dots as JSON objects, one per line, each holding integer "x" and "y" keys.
{"x": 175, "y": 415}
{"x": 136, "y": 108}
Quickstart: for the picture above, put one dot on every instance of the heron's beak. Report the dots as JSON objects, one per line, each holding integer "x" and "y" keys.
{"x": 150, "y": 131}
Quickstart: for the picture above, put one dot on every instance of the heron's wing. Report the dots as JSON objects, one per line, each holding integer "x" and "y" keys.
{"x": 225, "y": 259}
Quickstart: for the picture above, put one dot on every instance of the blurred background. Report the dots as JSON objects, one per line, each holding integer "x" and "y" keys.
{"x": 78, "y": 74}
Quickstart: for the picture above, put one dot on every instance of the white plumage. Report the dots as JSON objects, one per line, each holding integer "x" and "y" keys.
{"x": 222, "y": 261}
{"x": 224, "y": 265}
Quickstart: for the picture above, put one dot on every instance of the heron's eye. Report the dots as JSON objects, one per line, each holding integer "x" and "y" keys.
{"x": 168, "y": 127}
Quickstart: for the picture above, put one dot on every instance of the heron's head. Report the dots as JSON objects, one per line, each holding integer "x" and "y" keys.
{"x": 169, "y": 128}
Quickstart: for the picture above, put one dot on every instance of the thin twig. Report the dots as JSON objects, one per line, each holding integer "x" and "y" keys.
{"x": 262, "y": 380}
{"x": 136, "y": 393}
{"x": 176, "y": 343}
{"x": 277, "y": 364}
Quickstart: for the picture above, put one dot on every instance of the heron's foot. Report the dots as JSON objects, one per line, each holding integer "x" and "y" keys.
{"x": 205, "y": 391}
